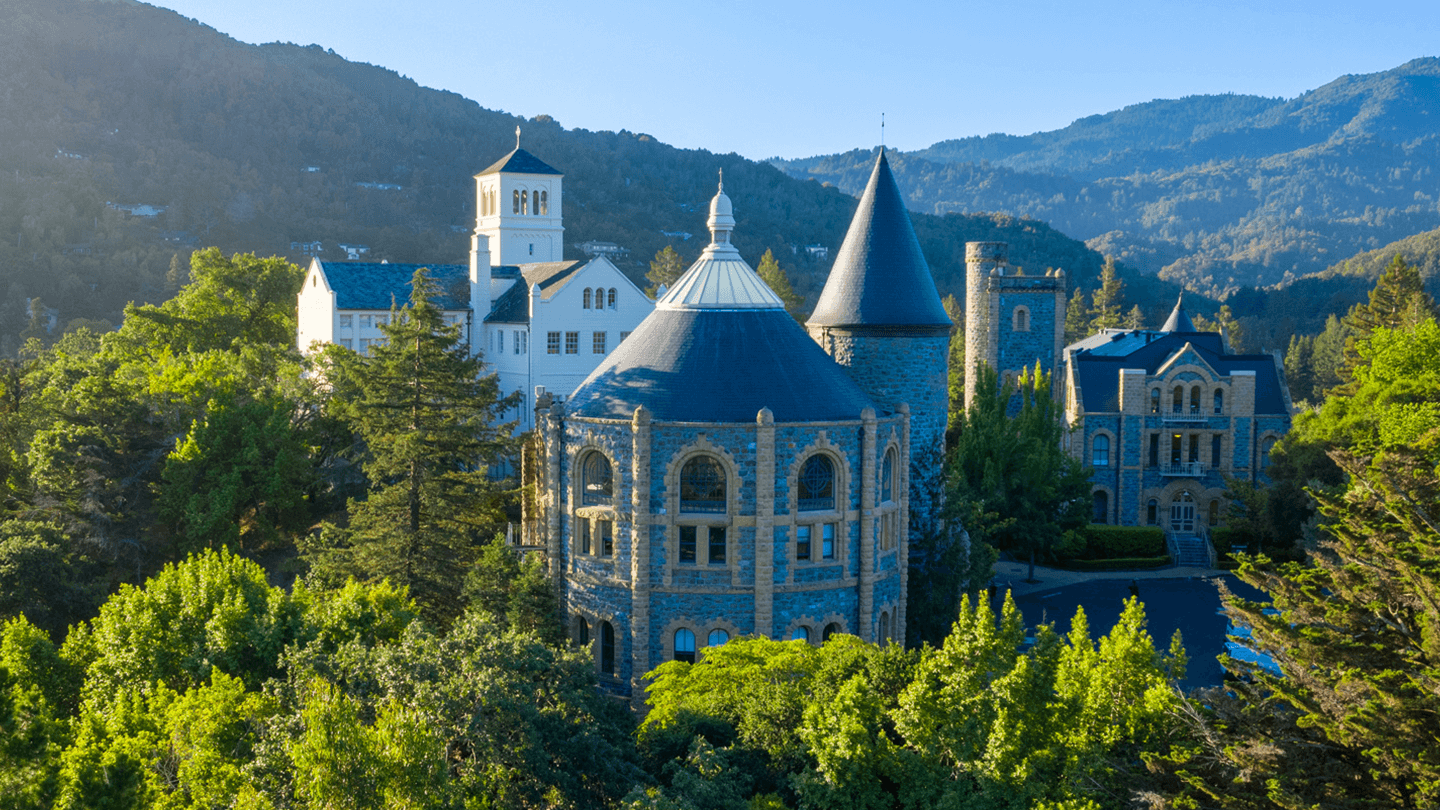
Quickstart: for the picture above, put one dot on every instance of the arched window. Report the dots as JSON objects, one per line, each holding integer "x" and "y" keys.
{"x": 524, "y": 202}
{"x": 717, "y": 637}
{"x": 817, "y": 484}
{"x": 484, "y": 203}
{"x": 612, "y": 298}
{"x": 1102, "y": 507}
{"x": 1214, "y": 516}
{"x": 1100, "y": 451}
{"x": 1219, "y": 401}
{"x": 887, "y": 477}
{"x": 585, "y": 299}
{"x": 702, "y": 486}
{"x": 1154, "y": 400}
{"x": 801, "y": 633}
{"x": 884, "y": 626}
{"x": 1195, "y": 401}
{"x": 1177, "y": 405}
{"x": 582, "y": 631}
{"x": 607, "y": 648}
{"x": 596, "y": 481}
{"x": 830, "y": 630}
{"x": 494, "y": 207}
{"x": 542, "y": 203}
{"x": 685, "y": 646}
{"x": 515, "y": 202}
{"x": 1152, "y": 512}
{"x": 1022, "y": 319}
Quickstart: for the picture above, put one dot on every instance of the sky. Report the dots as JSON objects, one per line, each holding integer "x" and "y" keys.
{"x": 793, "y": 79}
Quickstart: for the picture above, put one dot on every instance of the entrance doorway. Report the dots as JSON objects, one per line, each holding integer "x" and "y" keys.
{"x": 1182, "y": 513}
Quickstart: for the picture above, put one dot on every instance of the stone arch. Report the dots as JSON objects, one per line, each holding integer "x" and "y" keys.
{"x": 840, "y": 463}
{"x": 702, "y": 635}
{"x": 1110, "y": 448}
{"x": 702, "y": 446}
{"x": 667, "y": 635}
{"x": 1020, "y": 319}
{"x": 835, "y": 620}
{"x": 1096, "y": 494}
{"x": 812, "y": 626}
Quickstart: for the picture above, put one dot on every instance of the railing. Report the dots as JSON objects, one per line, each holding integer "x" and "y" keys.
{"x": 1204, "y": 534}
{"x": 1172, "y": 547}
{"x": 1183, "y": 468}
{"x": 1178, "y": 418}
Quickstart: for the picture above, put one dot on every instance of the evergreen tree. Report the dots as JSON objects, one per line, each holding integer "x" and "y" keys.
{"x": 664, "y": 269}
{"x": 957, "y": 358}
{"x": 1398, "y": 299}
{"x": 771, "y": 273}
{"x": 1108, "y": 300}
{"x": 1300, "y": 368}
{"x": 1077, "y": 318}
{"x": 431, "y": 426}
{"x": 1135, "y": 319}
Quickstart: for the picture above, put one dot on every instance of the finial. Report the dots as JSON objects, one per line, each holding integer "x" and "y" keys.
{"x": 722, "y": 181}
{"x": 517, "y": 136}
{"x": 882, "y": 131}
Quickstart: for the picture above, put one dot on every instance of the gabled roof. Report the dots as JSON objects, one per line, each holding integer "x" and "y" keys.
{"x": 381, "y": 285}
{"x": 520, "y": 162}
{"x": 1098, "y": 360}
{"x": 513, "y": 306}
{"x": 880, "y": 277}
{"x": 719, "y": 365}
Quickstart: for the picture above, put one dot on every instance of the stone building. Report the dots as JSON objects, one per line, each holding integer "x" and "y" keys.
{"x": 543, "y": 322}
{"x": 721, "y": 475}
{"x": 1160, "y": 419}
{"x": 1011, "y": 320}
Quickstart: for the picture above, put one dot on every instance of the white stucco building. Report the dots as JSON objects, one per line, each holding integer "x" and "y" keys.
{"x": 540, "y": 321}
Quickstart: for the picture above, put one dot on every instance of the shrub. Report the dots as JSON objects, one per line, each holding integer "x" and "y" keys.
{"x": 1114, "y": 542}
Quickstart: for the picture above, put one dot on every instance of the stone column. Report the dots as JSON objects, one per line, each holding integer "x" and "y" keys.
{"x": 765, "y": 523}
{"x": 867, "y": 525}
{"x": 903, "y": 517}
{"x": 639, "y": 553}
{"x": 554, "y": 495}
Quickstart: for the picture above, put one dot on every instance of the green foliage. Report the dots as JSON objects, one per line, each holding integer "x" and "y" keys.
{"x": 1100, "y": 542}
{"x": 1077, "y": 318}
{"x": 665, "y": 268}
{"x": 1108, "y": 301}
{"x": 956, "y": 380}
{"x": 39, "y": 580}
{"x": 771, "y": 273}
{"x": 431, "y": 425}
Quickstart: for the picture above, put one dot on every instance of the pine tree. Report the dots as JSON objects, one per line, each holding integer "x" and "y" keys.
{"x": 1077, "y": 318}
{"x": 1398, "y": 299}
{"x": 1135, "y": 319}
{"x": 957, "y": 358}
{"x": 665, "y": 268}
{"x": 1108, "y": 299}
{"x": 431, "y": 426}
{"x": 771, "y": 273}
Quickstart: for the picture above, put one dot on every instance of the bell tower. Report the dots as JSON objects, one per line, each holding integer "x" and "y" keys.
{"x": 517, "y": 205}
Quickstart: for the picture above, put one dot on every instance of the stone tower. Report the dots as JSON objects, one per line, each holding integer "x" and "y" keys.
{"x": 1011, "y": 320}
{"x": 881, "y": 318}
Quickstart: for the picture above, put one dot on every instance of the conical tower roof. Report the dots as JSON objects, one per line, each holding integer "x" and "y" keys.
{"x": 880, "y": 277}
{"x": 1178, "y": 320}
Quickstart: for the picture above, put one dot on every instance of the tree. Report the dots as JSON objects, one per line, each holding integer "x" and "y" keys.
{"x": 1077, "y": 318}
{"x": 1135, "y": 319}
{"x": 431, "y": 428}
{"x": 665, "y": 268}
{"x": 1009, "y": 481}
{"x": 957, "y": 357}
{"x": 1108, "y": 300}
{"x": 771, "y": 273}
{"x": 1397, "y": 299}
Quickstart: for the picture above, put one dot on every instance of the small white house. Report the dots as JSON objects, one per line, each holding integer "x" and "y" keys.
{"x": 543, "y": 324}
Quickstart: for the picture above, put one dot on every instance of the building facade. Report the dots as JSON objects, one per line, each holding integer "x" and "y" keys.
{"x": 543, "y": 323}
{"x": 1012, "y": 320}
{"x": 722, "y": 475}
{"x": 1161, "y": 418}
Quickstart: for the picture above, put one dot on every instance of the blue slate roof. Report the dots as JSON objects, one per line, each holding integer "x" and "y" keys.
{"x": 378, "y": 285}
{"x": 707, "y": 365}
{"x": 880, "y": 277}
{"x": 1178, "y": 320}
{"x": 1099, "y": 358}
{"x": 513, "y": 306}
{"x": 520, "y": 162}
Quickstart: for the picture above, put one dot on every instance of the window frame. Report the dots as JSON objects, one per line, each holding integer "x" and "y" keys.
{"x": 552, "y": 342}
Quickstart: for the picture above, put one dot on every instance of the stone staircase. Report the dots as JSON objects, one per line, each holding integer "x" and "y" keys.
{"x": 1190, "y": 549}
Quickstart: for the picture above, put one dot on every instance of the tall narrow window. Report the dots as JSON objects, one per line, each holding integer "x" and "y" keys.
{"x": 1100, "y": 455}
{"x": 597, "y": 342}
{"x": 887, "y": 477}
{"x": 542, "y": 207}
{"x": 1175, "y": 457}
{"x": 1154, "y": 400}
{"x": 1152, "y": 512}
{"x": 1195, "y": 401}
{"x": 515, "y": 202}
{"x": 607, "y": 648}
{"x": 572, "y": 342}
{"x": 1214, "y": 516}
{"x": 687, "y": 543}
{"x": 582, "y": 631}
{"x": 606, "y": 540}
{"x": 1022, "y": 319}
{"x": 524, "y": 202}
{"x": 1219, "y": 402}
{"x": 499, "y": 341}
{"x": 817, "y": 484}
{"x": 1215, "y": 451}
{"x": 1194, "y": 447}
{"x": 1102, "y": 507}
{"x": 1154, "y": 449}
{"x": 802, "y": 542}
{"x": 1178, "y": 405}
{"x": 582, "y": 527}
{"x": 827, "y": 541}
{"x": 716, "y": 535}
{"x": 831, "y": 629}
{"x": 552, "y": 342}
{"x": 595, "y": 480}
{"x": 612, "y": 297}
{"x": 702, "y": 486}
{"x": 685, "y": 645}
{"x": 585, "y": 299}
{"x": 884, "y": 626}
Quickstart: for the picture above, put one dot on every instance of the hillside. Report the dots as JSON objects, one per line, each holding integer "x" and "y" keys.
{"x": 110, "y": 106}
{"x": 1217, "y": 192}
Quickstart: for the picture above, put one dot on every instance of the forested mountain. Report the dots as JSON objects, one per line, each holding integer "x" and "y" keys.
{"x": 109, "y": 106}
{"x": 1218, "y": 192}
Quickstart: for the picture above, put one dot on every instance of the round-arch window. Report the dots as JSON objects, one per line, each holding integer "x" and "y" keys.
{"x": 582, "y": 631}
{"x": 884, "y": 625}
{"x": 515, "y": 201}
{"x": 717, "y": 637}
{"x": 685, "y": 645}
{"x": 702, "y": 485}
{"x": 1195, "y": 399}
{"x": 1219, "y": 401}
{"x": 542, "y": 202}
{"x": 1101, "y": 455}
{"x": 1154, "y": 400}
{"x": 817, "y": 484}
{"x": 612, "y": 297}
{"x": 596, "y": 480}
{"x": 801, "y": 633}
{"x": 585, "y": 299}
{"x": 607, "y": 648}
{"x": 1022, "y": 319}
{"x": 1152, "y": 512}
{"x": 830, "y": 630}
{"x": 1102, "y": 507}
{"x": 1179, "y": 403}
{"x": 887, "y": 477}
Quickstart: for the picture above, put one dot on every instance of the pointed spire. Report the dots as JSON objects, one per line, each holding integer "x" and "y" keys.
{"x": 880, "y": 277}
{"x": 1179, "y": 321}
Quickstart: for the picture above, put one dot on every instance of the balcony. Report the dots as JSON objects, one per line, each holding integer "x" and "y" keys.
{"x": 1182, "y": 469}
{"x": 1192, "y": 417}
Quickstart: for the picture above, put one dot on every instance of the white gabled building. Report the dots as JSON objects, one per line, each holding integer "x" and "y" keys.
{"x": 540, "y": 321}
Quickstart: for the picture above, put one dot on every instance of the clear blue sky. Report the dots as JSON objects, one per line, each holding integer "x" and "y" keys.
{"x": 795, "y": 79}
